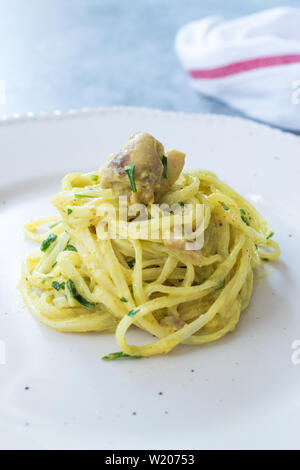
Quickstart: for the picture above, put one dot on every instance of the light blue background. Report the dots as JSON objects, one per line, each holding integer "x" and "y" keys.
{"x": 62, "y": 54}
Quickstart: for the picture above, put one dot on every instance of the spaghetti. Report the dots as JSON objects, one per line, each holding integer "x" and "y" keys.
{"x": 80, "y": 281}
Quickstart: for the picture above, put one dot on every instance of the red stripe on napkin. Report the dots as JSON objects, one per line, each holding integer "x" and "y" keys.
{"x": 244, "y": 66}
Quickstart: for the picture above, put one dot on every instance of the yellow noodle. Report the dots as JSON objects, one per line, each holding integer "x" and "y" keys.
{"x": 172, "y": 294}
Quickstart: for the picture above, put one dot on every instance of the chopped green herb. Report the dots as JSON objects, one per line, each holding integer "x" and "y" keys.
{"x": 130, "y": 173}
{"x": 220, "y": 285}
{"x": 243, "y": 217}
{"x": 70, "y": 248}
{"x": 118, "y": 355}
{"x": 266, "y": 259}
{"x": 164, "y": 161}
{"x": 69, "y": 211}
{"x": 123, "y": 299}
{"x": 226, "y": 208}
{"x": 57, "y": 286}
{"x": 132, "y": 313}
{"x": 271, "y": 235}
{"x": 245, "y": 220}
{"x": 83, "y": 196}
{"x": 75, "y": 294}
{"x": 95, "y": 177}
{"x": 182, "y": 204}
{"x": 54, "y": 264}
{"x": 46, "y": 243}
{"x": 131, "y": 263}
{"x": 55, "y": 225}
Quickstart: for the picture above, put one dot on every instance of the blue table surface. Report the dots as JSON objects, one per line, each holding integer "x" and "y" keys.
{"x": 62, "y": 54}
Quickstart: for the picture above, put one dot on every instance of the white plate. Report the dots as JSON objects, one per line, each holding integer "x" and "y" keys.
{"x": 244, "y": 391}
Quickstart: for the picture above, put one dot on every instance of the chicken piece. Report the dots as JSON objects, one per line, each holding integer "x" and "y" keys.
{"x": 146, "y": 153}
{"x": 173, "y": 322}
{"x": 179, "y": 247}
{"x": 143, "y": 154}
{"x": 175, "y": 164}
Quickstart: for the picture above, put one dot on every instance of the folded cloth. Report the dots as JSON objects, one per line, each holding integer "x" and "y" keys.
{"x": 251, "y": 63}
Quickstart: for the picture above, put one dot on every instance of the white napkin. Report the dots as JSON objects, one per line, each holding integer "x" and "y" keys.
{"x": 251, "y": 63}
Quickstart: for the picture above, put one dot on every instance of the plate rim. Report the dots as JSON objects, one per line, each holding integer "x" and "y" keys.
{"x": 58, "y": 115}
